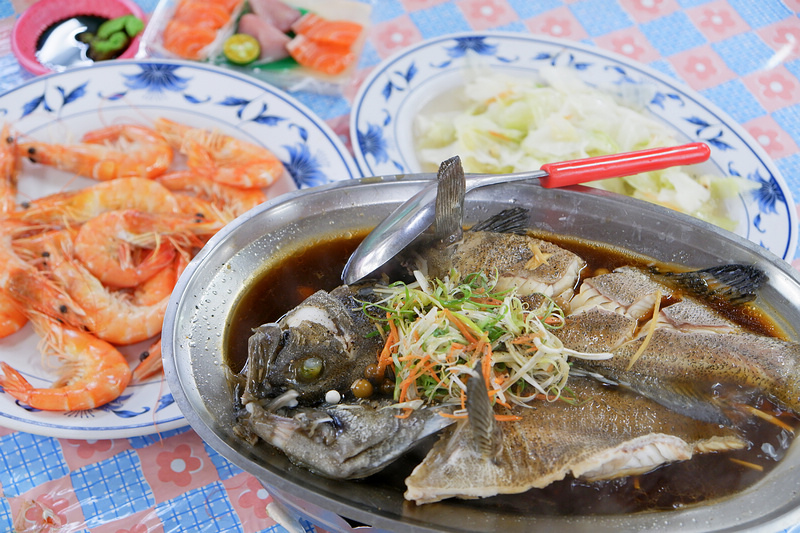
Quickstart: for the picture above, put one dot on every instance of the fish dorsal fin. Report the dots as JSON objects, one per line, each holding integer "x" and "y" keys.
{"x": 485, "y": 433}
{"x": 450, "y": 192}
{"x": 512, "y": 220}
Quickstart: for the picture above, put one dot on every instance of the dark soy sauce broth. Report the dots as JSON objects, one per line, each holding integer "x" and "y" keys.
{"x": 702, "y": 479}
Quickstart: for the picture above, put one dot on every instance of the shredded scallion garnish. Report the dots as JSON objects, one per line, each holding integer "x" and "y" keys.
{"x": 437, "y": 331}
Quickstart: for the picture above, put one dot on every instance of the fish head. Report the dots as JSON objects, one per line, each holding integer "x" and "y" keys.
{"x": 319, "y": 346}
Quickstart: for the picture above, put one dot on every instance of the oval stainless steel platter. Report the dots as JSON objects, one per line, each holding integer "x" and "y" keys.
{"x": 195, "y": 326}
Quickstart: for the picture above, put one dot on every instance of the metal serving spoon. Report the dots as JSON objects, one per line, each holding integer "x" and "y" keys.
{"x": 414, "y": 216}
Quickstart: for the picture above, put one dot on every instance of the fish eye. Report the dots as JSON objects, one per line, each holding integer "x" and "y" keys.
{"x": 308, "y": 369}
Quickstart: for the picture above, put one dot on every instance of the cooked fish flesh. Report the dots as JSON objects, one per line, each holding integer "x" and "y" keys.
{"x": 608, "y": 432}
{"x": 531, "y": 265}
{"x": 627, "y": 291}
{"x": 706, "y": 375}
{"x": 694, "y": 360}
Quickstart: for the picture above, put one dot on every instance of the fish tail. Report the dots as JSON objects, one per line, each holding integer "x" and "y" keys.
{"x": 735, "y": 283}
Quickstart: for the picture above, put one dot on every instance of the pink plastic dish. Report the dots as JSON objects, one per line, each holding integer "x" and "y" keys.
{"x": 44, "y": 13}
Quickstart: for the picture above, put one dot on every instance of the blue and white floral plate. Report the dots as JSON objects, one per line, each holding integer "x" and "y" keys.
{"x": 61, "y": 107}
{"x": 384, "y": 110}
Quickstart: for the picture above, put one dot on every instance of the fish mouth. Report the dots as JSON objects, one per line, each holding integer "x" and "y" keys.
{"x": 263, "y": 347}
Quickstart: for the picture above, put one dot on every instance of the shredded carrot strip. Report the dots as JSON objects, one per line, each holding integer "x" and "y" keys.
{"x": 544, "y": 397}
{"x": 525, "y": 339}
{"x": 487, "y": 364}
{"x": 507, "y": 418}
{"x": 406, "y": 413}
{"x": 385, "y": 358}
{"x": 463, "y": 328}
{"x": 411, "y": 379}
{"x": 501, "y": 402}
{"x": 499, "y": 135}
{"x": 452, "y": 354}
{"x": 450, "y": 415}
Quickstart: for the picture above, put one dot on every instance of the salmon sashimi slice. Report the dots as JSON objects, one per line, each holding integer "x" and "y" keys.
{"x": 323, "y": 57}
{"x": 202, "y": 14}
{"x": 187, "y": 41}
{"x": 195, "y": 25}
{"x": 336, "y": 32}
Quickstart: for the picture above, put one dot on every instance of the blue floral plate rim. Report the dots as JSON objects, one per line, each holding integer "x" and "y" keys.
{"x": 383, "y": 109}
{"x": 64, "y": 105}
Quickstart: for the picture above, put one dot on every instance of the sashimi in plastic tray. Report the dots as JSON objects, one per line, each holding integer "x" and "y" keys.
{"x": 311, "y": 45}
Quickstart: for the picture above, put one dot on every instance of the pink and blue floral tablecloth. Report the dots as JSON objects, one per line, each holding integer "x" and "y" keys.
{"x": 743, "y": 55}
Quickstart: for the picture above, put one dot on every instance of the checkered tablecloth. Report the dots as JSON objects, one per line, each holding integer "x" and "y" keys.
{"x": 743, "y": 55}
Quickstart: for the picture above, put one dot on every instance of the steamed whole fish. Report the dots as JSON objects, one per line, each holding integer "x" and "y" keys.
{"x": 297, "y": 389}
{"x": 300, "y": 366}
{"x": 606, "y": 433}
{"x": 688, "y": 358}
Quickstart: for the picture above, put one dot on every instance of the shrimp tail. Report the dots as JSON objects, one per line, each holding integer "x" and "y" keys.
{"x": 13, "y": 383}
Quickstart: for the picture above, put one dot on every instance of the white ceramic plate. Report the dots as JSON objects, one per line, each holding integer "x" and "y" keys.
{"x": 384, "y": 110}
{"x": 61, "y": 107}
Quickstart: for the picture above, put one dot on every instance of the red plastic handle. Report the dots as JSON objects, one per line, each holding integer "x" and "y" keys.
{"x": 566, "y": 173}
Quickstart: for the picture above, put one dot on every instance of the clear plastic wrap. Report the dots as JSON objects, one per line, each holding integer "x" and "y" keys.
{"x": 286, "y": 72}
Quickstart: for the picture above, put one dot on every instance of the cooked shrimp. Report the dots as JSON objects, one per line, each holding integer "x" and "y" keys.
{"x": 12, "y": 318}
{"x": 202, "y": 208}
{"x": 150, "y": 362}
{"x": 111, "y": 315}
{"x": 126, "y": 247}
{"x": 9, "y": 168}
{"x": 221, "y": 157}
{"x": 232, "y": 201}
{"x": 94, "y": 372}
{"x": 74, "y": 207}
{"x": 28, "y": 287}
{"x": 160, "y": 286}
{"x": 120, "y": 151}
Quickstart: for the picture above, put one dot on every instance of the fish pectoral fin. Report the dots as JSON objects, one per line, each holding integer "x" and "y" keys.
{"x": 582, "y": 372}
{"x": 449, "y": 209}
{"x": 487, "y": 437}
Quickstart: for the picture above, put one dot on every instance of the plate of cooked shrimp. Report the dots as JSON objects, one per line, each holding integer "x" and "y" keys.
{"x": 113, "y": 178}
